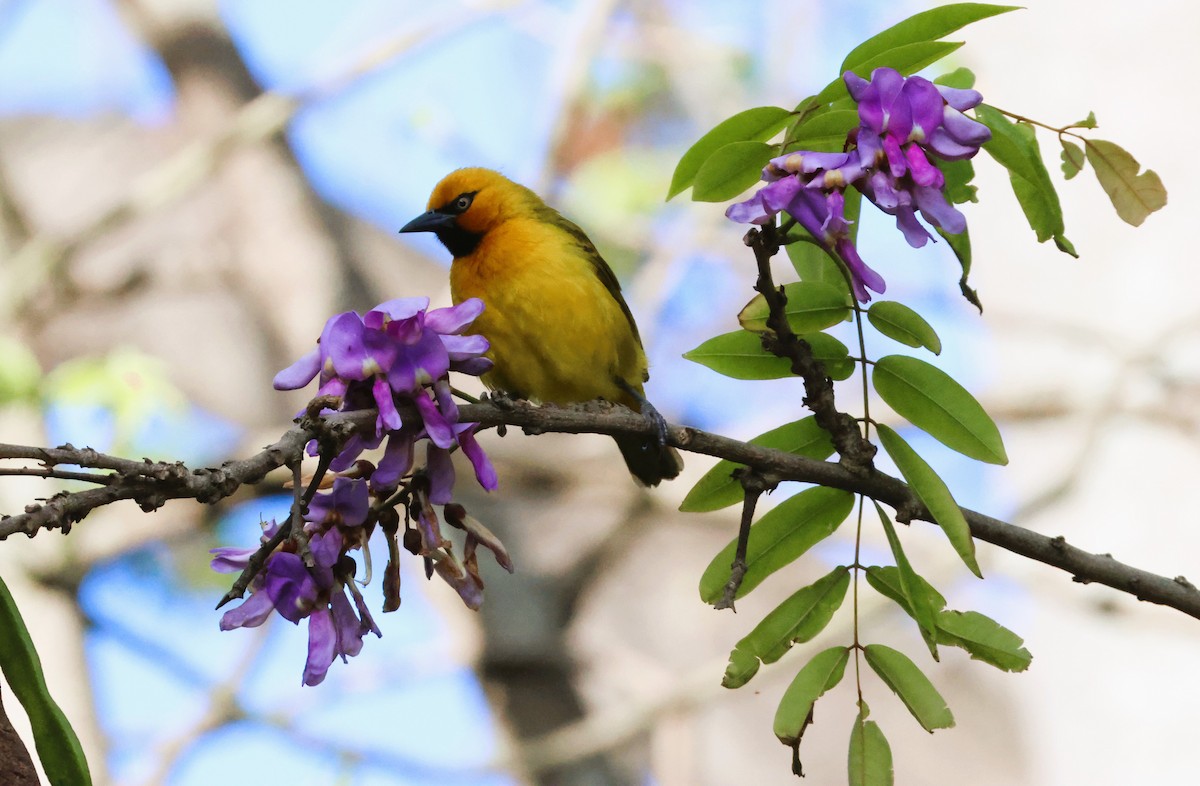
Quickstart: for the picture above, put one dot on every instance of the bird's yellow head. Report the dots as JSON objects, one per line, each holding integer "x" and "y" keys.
{"x": 470, "y": 202}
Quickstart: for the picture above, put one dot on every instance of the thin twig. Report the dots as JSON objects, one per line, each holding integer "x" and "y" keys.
{"x": 753, "y": 484}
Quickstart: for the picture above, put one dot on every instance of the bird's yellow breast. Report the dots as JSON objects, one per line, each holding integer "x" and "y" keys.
{"x": 557, "y": 333}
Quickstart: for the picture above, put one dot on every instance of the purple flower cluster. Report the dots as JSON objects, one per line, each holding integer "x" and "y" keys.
{"x": 902, "y": 121}
{"x": 333, "y": 524}
{"x": 396, "y": 359}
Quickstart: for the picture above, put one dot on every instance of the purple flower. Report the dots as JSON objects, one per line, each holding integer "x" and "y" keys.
{"x": 345, "y": 506}
{"x": 798, "y": 186}
{"x": 902, "y": 122}
{"x": 396, "y": 359}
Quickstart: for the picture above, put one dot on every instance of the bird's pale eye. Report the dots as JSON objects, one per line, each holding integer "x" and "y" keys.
{"x": 463, "y": 202}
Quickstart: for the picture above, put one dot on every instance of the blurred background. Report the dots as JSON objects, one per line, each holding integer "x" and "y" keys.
{"x": 188, "y": 188}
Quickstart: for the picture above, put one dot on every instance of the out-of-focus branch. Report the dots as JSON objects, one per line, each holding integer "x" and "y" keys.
{"x": 42, "y": 257}
{"x": 173, "y": 481}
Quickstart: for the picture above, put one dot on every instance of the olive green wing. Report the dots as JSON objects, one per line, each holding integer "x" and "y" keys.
{"x": 599, "y": 266}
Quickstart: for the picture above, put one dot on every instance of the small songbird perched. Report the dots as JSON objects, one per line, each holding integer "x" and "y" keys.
{"x": 559, "y": 329}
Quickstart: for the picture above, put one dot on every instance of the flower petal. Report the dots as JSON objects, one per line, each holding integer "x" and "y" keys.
{"x": 464, "y": 347}
{"x": 937, "y": 211}
{"x": 441, "y": 432}
{"x": 347, "y": 626}
{"x": 454, "y": 319}
{"x": 253, "y": 612}
{"x": 960, "y": 98}
{"x": 322, "y": 644}
{"x": 289, "y": 586}
{"x": 752, "y": 211}
{"x": 861, "y": 274}
{"x": 393, "y": 310}
{"x": 396, "y": 461}
{"x": 229, "y": 559}
{"x": 485, "y": 473}
{"x": 299, "y": 373}
{"x": 440, "y": 469}
{"x": 389, "y": 418}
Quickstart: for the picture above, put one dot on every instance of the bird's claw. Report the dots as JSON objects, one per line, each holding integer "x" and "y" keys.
{"x": 656, "y": 420}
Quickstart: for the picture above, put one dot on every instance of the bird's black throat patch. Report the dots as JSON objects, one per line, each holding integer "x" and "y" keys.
{"x": 458, "y": 241}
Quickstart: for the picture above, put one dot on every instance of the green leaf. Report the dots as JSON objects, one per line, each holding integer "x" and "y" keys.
{"x": 731, "y": 170}
{"x": 932, "y": 401}
{"x": 824, "y": 131}
{"x": 719, "y": 489}
{"x": 1014, "y": 146}
{"x": 814, "y": 264}
{"x": 870, "y": 760}
{"x": 886, "y": 581}
{"x": 740, "y": 355}
{"x": 932, "y": 492}
{"x": 912, "y": 686}
{"x": 811, "y": 306}
{"x": 796, "y": 620}
{"x": 958, "y": 176}
{"x": 907, "y": 59}
{"x": 57, "y": 746}
{"x": 900, "y": 323}
{"x": 1134, "y": 195}
{"x": 1073, "y": 158}
{"x": 984, "y": 638}
{"x": 820, "y": 674}
{"x": 832, "y": 353}
{"x": 778, "y": 538}
{"x": 752, "y": 125}
{"x": 1087, "y": 122}
{"x": 926, "y": 26}
{"x": 960, "y": 78}
{"x": 960, "y": 244}
{"x": 921, "y": 606}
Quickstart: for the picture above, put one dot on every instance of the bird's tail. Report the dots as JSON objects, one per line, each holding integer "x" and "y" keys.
{"x": 648, "y": 461}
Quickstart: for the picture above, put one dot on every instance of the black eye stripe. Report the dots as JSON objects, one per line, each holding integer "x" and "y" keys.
{"x": 460, "y": 204}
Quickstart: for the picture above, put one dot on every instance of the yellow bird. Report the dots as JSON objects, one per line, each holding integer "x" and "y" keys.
{"x": 559, "y": 329}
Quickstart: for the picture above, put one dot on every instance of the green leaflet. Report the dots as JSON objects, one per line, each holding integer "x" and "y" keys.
{"x": 931, "y": 400}
{"x": 870, "y": 759}
{"x": 1073, "y": 158}
{"x": 779, "y": 537}
{"x": 57, "y": 746}
{"x": 926, "y": 26}
{"x": 811, "y": 306}
{"x": 920, "y": 604}
{"x": 1014, "y": 146}
{"x": 731, "y": 170}
{"x": 820, "y": 674}
{"x": 752, "y": 125}
{"x": 740, "y": 355}
{"x": 798, "y": 619}
{"x": 900, "y": 323}
{"x": 822, "y": 131}
{"x": 912, "y": 686}
{"x": 984, "y": 638}
{"x": 932, "y": 492}
{"x": 719, "y": 489}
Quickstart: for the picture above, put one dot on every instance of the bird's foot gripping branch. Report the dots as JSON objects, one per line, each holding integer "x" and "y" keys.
{"x": 904, "y": 143}
{"x": 394, "y": 362}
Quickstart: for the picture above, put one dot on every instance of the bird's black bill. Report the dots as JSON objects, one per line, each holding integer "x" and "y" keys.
{"x": 429, "y": 222}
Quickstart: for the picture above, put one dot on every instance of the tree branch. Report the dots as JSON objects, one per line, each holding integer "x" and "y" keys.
{"x": 154, "y": 483}
{"x": 854, "y": 450}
